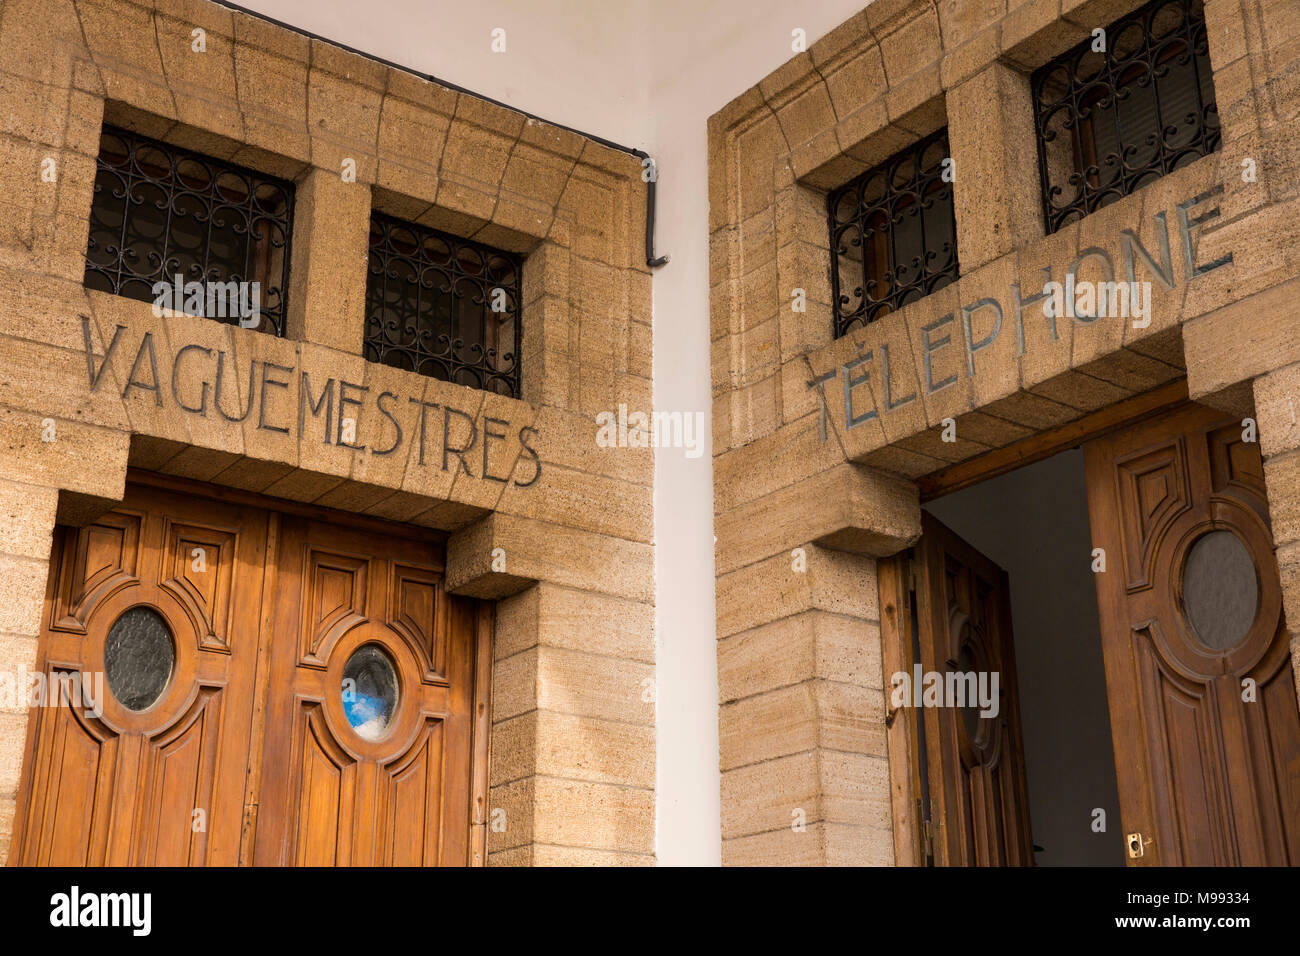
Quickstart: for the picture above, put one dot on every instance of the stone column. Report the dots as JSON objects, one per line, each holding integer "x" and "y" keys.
{"x": 572, "y": 772}
{"x": 1277, "y": 408}
{"x": 805, "y": 773}
{"x": 56, "y": 469}
{"x": 327, "y": 288}
{"x": 995, "y": 165}
{"x": 26, "y": 529}
{"x": 805, "y": 770}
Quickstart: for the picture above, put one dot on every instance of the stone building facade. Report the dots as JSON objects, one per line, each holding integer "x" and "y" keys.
{"x": 567, "y": 560}
{"x": 823, "y": 446}
{"x": 802, "y": 721}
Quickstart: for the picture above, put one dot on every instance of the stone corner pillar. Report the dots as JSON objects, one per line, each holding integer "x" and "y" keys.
{"x": 1277, "y": 410}
{"x": 27, "y": 516}
{"x": 802, "y": 737}
{"x": 572, "y": 769}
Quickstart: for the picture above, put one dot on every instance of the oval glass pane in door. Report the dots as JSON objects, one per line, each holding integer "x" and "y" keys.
{"x": 1220, "y": 590}
{"x": 970, "y": 711}
{"x": 369, "y": 691}
{"x": 138, "y": 657}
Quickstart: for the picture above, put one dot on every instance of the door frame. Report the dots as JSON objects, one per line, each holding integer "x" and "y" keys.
{"x": 1049, "y": 442}
{"x": 484, "y": 620}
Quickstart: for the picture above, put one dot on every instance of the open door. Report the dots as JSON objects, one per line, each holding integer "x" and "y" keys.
{"x": 1202, "y": 699}
{"x": 973, "y": 797}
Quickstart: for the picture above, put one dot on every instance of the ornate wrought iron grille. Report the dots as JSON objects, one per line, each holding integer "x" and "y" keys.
{"x": 160, "y": 211}
{"x": 443, "y": 306}
{"x": 1110, "y": 122}
{"x": 893, "y": 235}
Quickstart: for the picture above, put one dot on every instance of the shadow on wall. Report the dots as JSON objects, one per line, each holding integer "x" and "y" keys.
{"x": 1034, "y": 523}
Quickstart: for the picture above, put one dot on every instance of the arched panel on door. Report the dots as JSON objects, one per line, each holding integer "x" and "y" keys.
{"x": 71, "y": 781}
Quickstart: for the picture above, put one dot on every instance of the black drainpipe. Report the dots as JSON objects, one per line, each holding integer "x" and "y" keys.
{"x": 651, "y": 260}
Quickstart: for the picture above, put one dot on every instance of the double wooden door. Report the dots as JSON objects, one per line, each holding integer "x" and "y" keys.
{"x": 232, "y": 685}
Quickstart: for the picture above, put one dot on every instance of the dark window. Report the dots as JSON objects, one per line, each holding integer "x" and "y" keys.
{"x": 139, "y": 656}
{"x": 893, "y": 236}
{"x": 160, "y": 211}
{"x": 443, "y": 306}
{"x": 1111, "y": 122}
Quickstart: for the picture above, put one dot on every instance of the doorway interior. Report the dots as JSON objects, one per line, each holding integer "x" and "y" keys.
{"x": 1033, "y": 523}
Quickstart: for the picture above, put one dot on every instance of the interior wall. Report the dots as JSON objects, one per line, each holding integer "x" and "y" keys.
{"x": 1034, "y": 523}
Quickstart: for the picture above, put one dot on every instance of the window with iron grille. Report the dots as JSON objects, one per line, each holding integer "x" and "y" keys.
{"x": 1110, "y": 121}
{"x": 443, "y": 306}
{"x": 160, "y": 212}
{"x": 893, "y": 235}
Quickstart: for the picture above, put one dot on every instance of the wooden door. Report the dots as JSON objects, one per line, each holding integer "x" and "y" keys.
{"x": 160, "y": 598}
{"x": 375, "y": 771}
{"x": 979, "y": 806}
{"x": 1191, "y": 618}
{"x": 274, "y": 688}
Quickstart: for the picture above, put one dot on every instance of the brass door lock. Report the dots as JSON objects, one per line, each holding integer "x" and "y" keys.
{"x": 1136, "y": 844}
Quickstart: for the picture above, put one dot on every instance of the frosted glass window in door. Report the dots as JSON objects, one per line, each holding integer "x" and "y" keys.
{"x": 1220, "y": 590}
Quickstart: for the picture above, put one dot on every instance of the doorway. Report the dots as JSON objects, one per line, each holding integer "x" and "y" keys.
{"x": 235, "y": 683}
{"x": 1033, "y": 524}
{"x": 1149, "y": 711}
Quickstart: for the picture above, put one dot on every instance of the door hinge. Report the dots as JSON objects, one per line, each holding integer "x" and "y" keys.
{"x": 926, "y": 830}
{"x": 248, "y": 834}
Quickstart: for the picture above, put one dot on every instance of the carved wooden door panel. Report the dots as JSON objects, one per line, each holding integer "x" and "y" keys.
{"x": 1198, "y": 675}
{"x": 367, "y": 750}
{"x": 159, "y": 598}
{"x": 980, "y": 806}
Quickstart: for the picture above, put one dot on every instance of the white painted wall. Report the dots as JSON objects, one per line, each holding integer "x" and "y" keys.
{"x": 647, "y": 75}
{"x": 580, "y": 63}
{"x": 703, "y": 56}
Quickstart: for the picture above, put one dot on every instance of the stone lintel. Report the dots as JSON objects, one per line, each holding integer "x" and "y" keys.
{"x": 1241, "y": 341}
